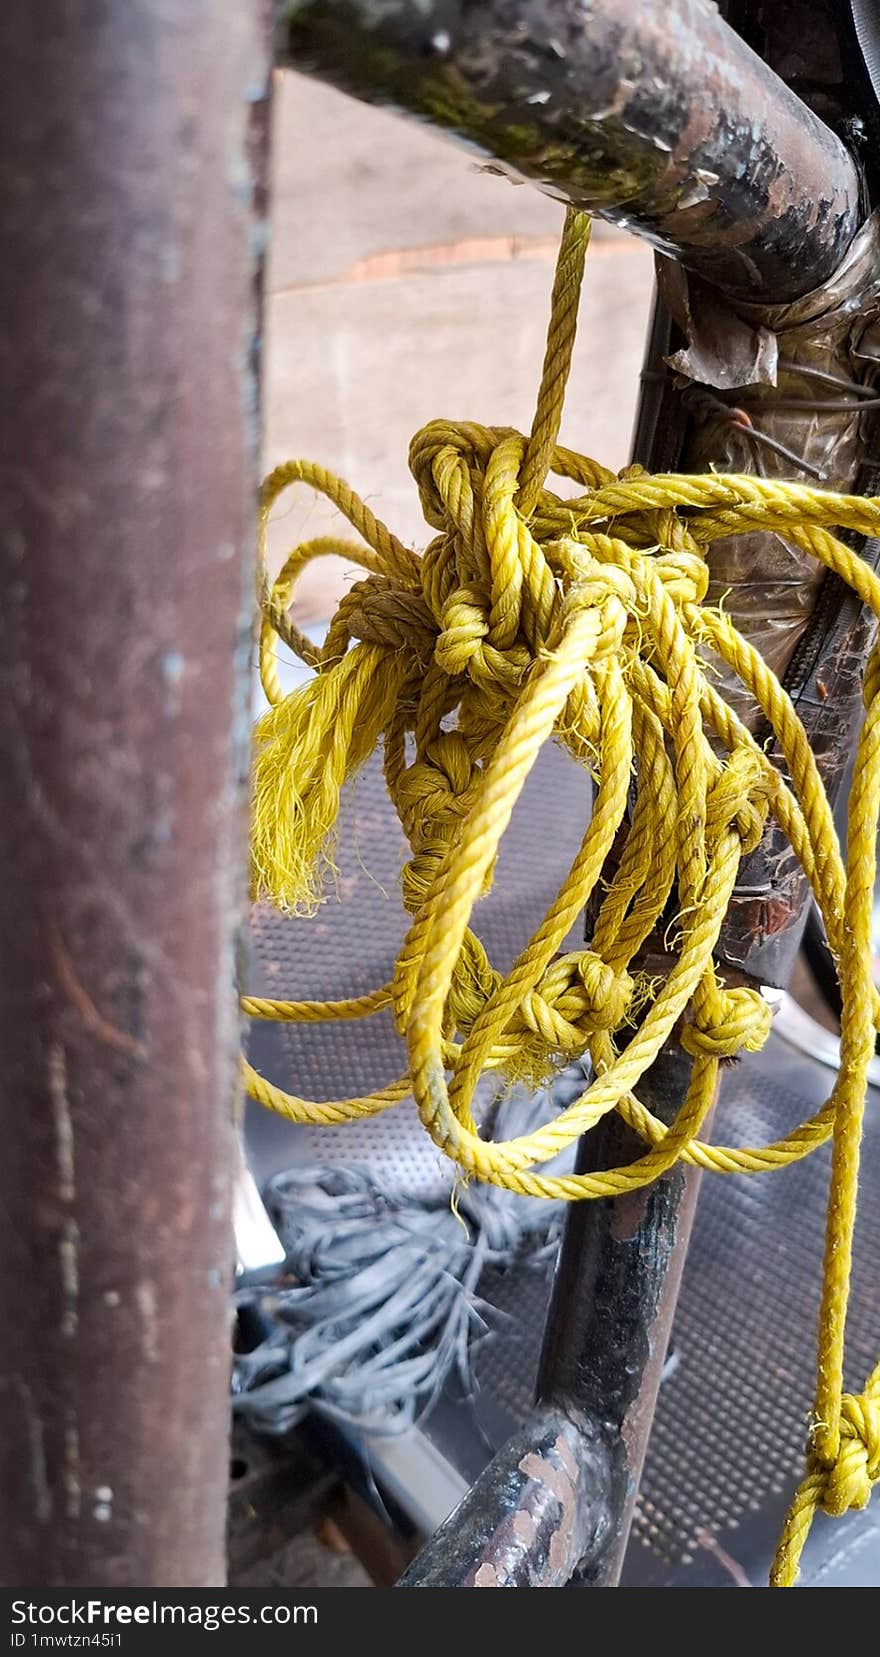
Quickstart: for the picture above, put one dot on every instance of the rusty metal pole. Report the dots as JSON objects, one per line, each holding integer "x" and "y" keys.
{"x": 652, "y": 113}
{"x": 542, "y": 1506}
{"x": 613, "y": 1302}
{"x": 131, "y": 138}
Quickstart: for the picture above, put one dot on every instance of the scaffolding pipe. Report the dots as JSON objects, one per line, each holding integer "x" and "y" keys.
{"x": 130, "y": 202}
{"x": 652, "y": 113}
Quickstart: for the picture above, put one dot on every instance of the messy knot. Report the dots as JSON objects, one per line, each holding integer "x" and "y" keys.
{"x": 608, "y": 993}
{"x": 739, "y": 796}
{"x": 434, "y": 796}
{"x": 379, "y": 612}
{"x": 685, "y": 575}
{"x": 733, "y": 1021}
{"x": 577, "y": 996}
{"x": 463, "y": 645}
{"x": 848, "y": 1482}
{"x": 573, "y": 614}
{"x": 440, "y": 787}
{"x": 474, "y": 981}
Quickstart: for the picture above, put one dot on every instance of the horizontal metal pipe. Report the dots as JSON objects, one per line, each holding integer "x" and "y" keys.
{"x": 543, "y": 1504}
{"x": 651, "y": 113}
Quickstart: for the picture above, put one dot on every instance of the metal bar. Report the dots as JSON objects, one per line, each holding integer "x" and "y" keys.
{"x": 654, "y": 115}
{"x": 613, "y": 1302}
{"x": 764, "y": 926}
{"x": 536, "y": 1510}
{"x": 131, "y": 139}
{"x": 556, "y": 1503}
{"x": 817, "y": 643}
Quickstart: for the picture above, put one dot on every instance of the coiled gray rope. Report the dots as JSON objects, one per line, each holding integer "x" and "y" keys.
{"x": 384, "y": 1305}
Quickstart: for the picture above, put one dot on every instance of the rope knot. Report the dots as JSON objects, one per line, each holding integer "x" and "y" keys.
{"x": 463, "y": 627}
{"x": 849, "y": 1479}
{"x": 576, "y": 996}
{"x": 452, "y": 765}
{"x": 434, "y": 795}
{"x": 474, "y": 980}
{"x": 608, "y": 993}
{"x": 436, "y": 792}
{"x": 726, "y": 1023}
{"x": 684, "y": 574}
{"x": 739, "y": 796}
{"x": 462, "y": 645}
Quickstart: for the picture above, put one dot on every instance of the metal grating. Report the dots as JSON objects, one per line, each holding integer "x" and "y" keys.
{"x": 731, "y": 1422}
{"x": 728, "y": 1435}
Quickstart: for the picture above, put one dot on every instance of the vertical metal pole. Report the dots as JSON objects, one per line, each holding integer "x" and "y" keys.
{"x": 613, "y": 1303}
{"x": 130, "y": 212}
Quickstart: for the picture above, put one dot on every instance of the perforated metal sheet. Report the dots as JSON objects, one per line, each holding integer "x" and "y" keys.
{"x": 727, "y": 1442}
{"x": 731, "y": 1423}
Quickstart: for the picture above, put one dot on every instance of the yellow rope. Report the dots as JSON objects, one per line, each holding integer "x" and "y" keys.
{"x": 581, "y": 617}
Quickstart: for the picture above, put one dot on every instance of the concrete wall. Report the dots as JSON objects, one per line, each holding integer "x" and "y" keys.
{"x": 407, "y": 282}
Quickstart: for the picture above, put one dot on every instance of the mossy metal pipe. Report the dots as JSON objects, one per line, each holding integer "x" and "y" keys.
{"x": 655, "y": 115}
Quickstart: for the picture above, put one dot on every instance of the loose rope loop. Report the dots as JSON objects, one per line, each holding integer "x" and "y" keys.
{"x": 579, "y": 617}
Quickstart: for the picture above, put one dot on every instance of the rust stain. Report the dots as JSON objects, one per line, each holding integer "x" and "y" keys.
{"x": 390, "y": 264}
{"x": 776, "y": 914}
{"x": 628, "y": 1214}
{"x": 92, "y": 1019}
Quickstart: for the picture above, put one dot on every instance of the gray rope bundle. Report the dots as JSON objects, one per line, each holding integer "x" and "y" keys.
{"x": 385, "y": 1305}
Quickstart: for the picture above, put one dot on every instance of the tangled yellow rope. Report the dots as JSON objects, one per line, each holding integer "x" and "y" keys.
{"x": 534, "y": 615}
